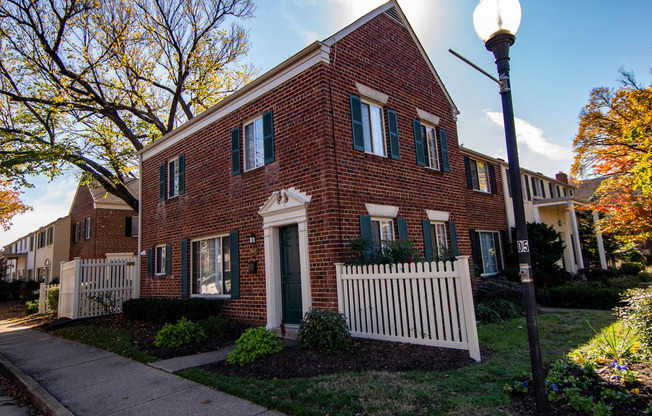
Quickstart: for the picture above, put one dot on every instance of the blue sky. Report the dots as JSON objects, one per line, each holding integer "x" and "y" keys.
{"x": 563, "y": 50}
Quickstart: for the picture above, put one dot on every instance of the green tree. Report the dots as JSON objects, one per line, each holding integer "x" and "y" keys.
{"x": 615, "y": 140}
{"x": 86, "y": 83}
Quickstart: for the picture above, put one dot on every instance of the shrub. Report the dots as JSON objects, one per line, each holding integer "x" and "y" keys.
{"x": 485, "y": 315}
{"x": 255, "y": 343}
{"x": 53, "y": 299}
{"x": 175, "y": 335}
{"x": 598, "y": 274}
{"x": 27, "y": 290}
{"x": 31, "y": 307}
{"x": 632, "y": 269}
{"x": 637, "y": 313}
{"x": 216, "y": 326}
{"x": 324, "y": 330}
{"x": 162, "y": 311}
{"x": 584, "y": 296}
{"x": 498, "y": 310}
{"x": 392, "y": 252}
{"x": 498, "y": 288}
{"x": 14, "y": 289}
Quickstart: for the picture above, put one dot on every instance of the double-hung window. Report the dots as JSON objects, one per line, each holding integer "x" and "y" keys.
{"x": 479, "y": 176}
{"x": 438, "y": 238}
{"x": 87, "y": 229}
{"x": 373, "y": 129}
{"x": 429, "y": 136}
{"x": 382, "y": 231}
{"x": 173, "y": 177}
{"x": 486, "y": 251}
{"x": 159, "y": 264}
{"x": 253, "y": 144}
{"x": 211, "y": 266}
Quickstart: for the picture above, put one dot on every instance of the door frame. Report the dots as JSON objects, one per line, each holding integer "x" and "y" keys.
{"x": 285, "y": 207}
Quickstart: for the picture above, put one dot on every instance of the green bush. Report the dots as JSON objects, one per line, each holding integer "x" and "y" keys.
{"x": 31, "y": 307}
{"x": 584, "y": 296}
{"x": 323, "y": 330}
{"x": 14, "y": 289}
{"x": 636, "y": 312}
{"x": 498, "y": 288}
{"x": 632, "y": 269}
{"x": 392, "y": 252}
{"x": 485, "y": 315}
{"x": 163, "y": 311}
{"x": 255, "y": 343}
{"x": 27, "y": 290}
{"x": 53, "y": 299}
{"x": 216, "y": 326}
{"x": 498, "y": 310}
{"x": 175, "y": 335}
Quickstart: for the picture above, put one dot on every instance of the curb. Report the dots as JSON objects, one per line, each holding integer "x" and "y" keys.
{"x": 41, "y": 398}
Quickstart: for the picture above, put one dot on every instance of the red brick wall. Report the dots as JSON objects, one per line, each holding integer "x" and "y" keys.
{"x": 314, "y": 153}
{"x": 107, "y": 229}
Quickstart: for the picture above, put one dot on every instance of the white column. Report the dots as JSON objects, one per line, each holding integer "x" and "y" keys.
{"x": 576, "y": 235}
{"x": 603, "y": 257}
{"x": 537, "y": 216}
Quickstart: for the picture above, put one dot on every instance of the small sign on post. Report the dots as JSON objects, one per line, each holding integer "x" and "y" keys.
{"x": 523, "y": 246}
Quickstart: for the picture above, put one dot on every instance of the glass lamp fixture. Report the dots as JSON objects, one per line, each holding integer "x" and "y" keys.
{"x": 496, "y": 17}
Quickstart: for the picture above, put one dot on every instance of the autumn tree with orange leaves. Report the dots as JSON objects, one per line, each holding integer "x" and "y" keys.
{"x": 10, "y": 205}
{"x": 615, "y": 141}
{"x": 85, "y": 84}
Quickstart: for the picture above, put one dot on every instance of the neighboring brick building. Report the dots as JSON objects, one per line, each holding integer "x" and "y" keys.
{"x": 102, "y": 225}
{"x": 255, "y": 199}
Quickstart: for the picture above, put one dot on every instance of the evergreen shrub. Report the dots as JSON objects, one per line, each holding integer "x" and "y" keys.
{"x": 323, "y": 330}
{"x": 253, "y": 344}
{"x": 175, "y": 335}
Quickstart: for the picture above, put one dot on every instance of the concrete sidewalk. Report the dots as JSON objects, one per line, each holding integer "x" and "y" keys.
{"x": 65, "y": 377}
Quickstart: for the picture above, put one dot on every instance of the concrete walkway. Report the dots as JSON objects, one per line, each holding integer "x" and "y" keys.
{"x": 64, "y": 378}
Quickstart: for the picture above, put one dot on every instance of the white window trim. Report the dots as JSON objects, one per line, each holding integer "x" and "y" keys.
{"x": 192, "y": 281}
{"x": 374, "y": 103}
{"x": 426, "y": 116}
{"x": 386, "y": 211}
{"x": 486, "y": 165}
{"x": 156, "y": 258}
{"x": 87, "y": 228}
{"x": 427, "y": 126}
{"x": 379, "y": 220}
{"x": 244, "y": 142}
{"x": 434, "y": 237}
{"x": 437, "y": 216}
{"x": 172, "y": 175}
{"x": 374, "y": 95}
{"x": 481, "y": 251}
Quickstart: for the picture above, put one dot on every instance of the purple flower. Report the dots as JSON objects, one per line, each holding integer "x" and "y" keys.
{"x": 525, "y": 384}
{"x": 554, "y": 387}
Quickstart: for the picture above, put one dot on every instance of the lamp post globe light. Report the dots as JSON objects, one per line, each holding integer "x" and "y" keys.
{"x": 496, "y": 23}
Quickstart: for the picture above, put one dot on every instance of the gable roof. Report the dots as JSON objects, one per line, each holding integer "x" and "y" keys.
{"x": 104, "y": 200}
{"x": 311, "y": 55}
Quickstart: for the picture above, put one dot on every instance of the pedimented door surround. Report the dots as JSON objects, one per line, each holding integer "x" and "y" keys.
{"x": 284, "y": 207}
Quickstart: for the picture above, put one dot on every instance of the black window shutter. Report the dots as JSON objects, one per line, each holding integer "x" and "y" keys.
{"x": 469, "y": 174}
{"x": 128, "y": 226}
{"x": 492, "y": 179}
{"x": 184, "y": 269}
{"x": 401, "y": 224}
{"x": 268, "y": 137}
{"x": 443, "y": 142}
{"x": 182, "y": 174}
{"x": 499, "y": 251}
{"x": 552, "y": 194}
{"x": 356, "y": 123}
{"x": 161, "y": 182}
{"x": 527, "y": 188}
{"x": 509, "y": 182}
{"x": 168, "y": 259}
{"x": 476, "y": 250}
{"x": 236, "y": 168}
{"x": 452, "y": 232}
{"x": 543, "y": 189}
{"x": 418, "y": 143}
{"x": 365, "y": 232}
{"x": 150, "y": 262}
{"x": 392, "y": 124}
{"x": 235, "y": 264}
{"x": 534, "y": 186}
{"x": 427, "y": 241}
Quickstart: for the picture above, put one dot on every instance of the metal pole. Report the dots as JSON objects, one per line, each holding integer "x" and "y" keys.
{"x": 500, "y": 45}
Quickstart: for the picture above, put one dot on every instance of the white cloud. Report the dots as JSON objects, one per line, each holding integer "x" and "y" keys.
{"x": 532, "y": 137}
{"x": 293, "y": 23}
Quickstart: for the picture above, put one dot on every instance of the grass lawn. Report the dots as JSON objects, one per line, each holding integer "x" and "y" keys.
{"x": 475, "y": 390}
{"x": 117, "y": 341}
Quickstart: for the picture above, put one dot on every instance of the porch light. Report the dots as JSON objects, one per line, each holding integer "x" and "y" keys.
{"x": 252, "y": 239}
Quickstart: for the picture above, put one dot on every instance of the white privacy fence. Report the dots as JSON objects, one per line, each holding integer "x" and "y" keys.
{"x": 419, "y": 303}
{"x": 96, "y": 287}
{"x": 43, "y": 301}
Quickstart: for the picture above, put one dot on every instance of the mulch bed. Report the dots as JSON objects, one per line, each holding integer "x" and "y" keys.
{"x": 367, "y": 355}
{"x": 524, "y": 403}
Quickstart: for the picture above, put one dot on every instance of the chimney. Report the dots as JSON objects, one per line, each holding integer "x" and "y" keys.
{"x": 562, "y": 177}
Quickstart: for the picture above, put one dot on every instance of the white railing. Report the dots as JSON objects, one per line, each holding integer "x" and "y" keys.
{"x": 96, "y": 287}
{"x": 419, "y": 303}
{"x": 43, "y": 302}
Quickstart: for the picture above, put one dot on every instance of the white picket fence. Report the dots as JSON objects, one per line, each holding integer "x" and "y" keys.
{"x": 419, "y": 303}
{"x": 96, "y": 287}
{"x": 43, "y": 304}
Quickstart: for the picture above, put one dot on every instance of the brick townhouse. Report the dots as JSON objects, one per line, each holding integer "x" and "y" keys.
{"x": 102, "y": 225}
{"x": 255, "y": 199}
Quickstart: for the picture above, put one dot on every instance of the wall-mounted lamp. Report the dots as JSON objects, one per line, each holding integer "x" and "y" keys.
{"x": 252, "y": 238}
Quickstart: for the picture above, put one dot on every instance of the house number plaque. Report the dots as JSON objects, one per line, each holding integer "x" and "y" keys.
{"x": 523, "y": 246}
